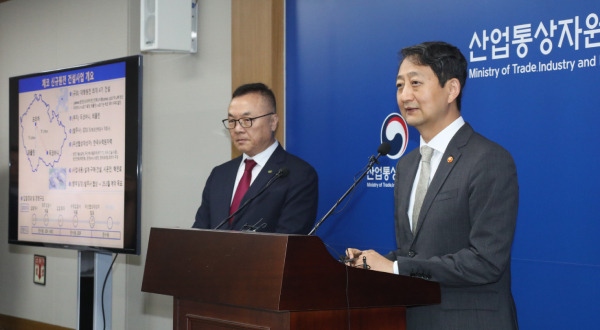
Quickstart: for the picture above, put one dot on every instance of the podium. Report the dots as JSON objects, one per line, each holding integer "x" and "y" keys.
{"x": 239, "y": 280}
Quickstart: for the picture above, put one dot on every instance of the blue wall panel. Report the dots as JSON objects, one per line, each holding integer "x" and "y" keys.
{"x": 341, "y": 67}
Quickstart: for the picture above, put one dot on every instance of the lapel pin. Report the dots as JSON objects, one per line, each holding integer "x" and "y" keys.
{"x": 450, "y": 159}
{"x": 270, "y": 171}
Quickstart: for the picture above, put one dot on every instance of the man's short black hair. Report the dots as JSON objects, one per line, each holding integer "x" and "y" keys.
{"x": 258, "y": 88}
{"x": 444, "y": 59}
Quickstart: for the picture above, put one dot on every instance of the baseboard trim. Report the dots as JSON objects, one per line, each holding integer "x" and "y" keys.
{"x": 8, "y": 322}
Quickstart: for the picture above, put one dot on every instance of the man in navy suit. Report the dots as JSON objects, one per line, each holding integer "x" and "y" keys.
{"x": 459, "y": 230}
{"x": 288, "y": 204}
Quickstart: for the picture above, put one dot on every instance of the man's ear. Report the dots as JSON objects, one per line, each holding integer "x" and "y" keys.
{"x": 454, "y": 87}
{"x": 274, "y": 122}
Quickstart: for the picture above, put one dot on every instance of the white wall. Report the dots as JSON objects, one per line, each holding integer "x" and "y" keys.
{"x": 185, "y": 96}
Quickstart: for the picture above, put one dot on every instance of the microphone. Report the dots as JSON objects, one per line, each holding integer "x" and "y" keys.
{"x": 383, "y": 149}
{"x": 284, "y": 171}
{"x": 281, "y": 173}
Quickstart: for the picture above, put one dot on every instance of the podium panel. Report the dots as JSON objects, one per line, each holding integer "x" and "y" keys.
{"x": 232, "y": 317}
{"x": 239, "y": 280}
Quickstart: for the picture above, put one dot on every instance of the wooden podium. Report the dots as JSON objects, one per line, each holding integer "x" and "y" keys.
{"x": 238, "y": 280}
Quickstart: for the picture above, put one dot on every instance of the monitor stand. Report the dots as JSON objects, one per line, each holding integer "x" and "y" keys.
{"x": 93, "y": 267}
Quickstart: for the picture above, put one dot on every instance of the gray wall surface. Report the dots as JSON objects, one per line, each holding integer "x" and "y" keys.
{"x": 184, "y": 98}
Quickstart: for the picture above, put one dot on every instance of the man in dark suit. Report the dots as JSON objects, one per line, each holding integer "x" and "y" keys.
{"x": 455, "y": 213}
{"x": 289, "y": 204}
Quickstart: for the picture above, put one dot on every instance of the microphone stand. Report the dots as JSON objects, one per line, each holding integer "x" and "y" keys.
{"x": 372, "y": 162}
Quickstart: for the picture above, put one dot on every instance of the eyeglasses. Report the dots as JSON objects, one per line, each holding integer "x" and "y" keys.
{"x": 244, "y": 122}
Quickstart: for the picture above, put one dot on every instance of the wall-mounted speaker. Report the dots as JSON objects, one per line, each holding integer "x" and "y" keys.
{"x": 169, "y": 26}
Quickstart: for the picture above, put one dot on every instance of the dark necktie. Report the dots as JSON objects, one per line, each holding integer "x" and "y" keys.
{"x": 242, "y": 187}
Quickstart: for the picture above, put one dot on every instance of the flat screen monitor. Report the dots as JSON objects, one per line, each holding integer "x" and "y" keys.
{"x": 75, "y": 157}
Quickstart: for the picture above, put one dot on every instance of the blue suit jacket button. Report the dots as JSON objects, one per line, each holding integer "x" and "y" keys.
{"x": 411, "y": 253}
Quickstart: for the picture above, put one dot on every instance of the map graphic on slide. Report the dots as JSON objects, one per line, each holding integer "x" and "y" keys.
{"x": 43, "y": 134}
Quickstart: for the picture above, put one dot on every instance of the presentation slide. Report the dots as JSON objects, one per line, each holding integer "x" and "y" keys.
{"x": 72, "y": 157}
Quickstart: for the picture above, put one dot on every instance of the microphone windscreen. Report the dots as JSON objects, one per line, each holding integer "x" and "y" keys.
{"x": 283, "y": 172}
{"x": 384, "y": 148}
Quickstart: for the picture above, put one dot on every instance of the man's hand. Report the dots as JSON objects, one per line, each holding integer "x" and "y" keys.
{"x": 374, "y": 260}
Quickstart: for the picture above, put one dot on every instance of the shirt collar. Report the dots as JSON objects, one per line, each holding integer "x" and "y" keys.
{"x": 442, "y": 139}
{"x": 262, "y": 157}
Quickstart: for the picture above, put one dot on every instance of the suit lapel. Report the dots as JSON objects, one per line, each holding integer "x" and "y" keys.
{"x": 226, "y": 188}
{"x": 446, "y": 165}
{"x": 405, "y": 183}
